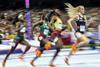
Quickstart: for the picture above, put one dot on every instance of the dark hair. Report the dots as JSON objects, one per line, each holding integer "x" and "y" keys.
{"x": 43, "y": 17}
{"x": 15, "y": 19}
{"x": 50, "y": 15}
{"x": 64, "y": 28}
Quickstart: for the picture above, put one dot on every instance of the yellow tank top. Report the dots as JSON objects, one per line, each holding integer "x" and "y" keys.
{"x": 58, "y": 24}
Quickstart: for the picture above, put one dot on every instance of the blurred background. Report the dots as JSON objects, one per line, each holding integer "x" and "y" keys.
{"x": 12, "y": 7}
{"x": 9, "y": 10}
{"x": 14, "y": 4}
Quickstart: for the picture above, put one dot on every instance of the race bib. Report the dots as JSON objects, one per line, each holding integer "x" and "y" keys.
{"x": 60, "y": 26}
{"x": 82, "y": 28}
{"x": 23, "y": 29}
{"x": 46, "y": 32}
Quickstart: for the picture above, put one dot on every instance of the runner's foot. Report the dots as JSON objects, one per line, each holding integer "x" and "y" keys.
{"x": 67, "y": 61}
{"x": 32, "y": 63}
{"x": 21, "y": 58}
{"x": 52, "y": 65}
{"x": 3, "y": 64}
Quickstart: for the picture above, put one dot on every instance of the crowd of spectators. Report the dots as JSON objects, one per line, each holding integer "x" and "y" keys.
{"x": 8, "y": 19}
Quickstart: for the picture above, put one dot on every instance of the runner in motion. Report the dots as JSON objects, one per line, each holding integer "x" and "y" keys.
{"x": 21, "y": 28}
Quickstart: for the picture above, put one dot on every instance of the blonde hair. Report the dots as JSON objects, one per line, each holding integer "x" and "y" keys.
{"x": 71, "y": 10}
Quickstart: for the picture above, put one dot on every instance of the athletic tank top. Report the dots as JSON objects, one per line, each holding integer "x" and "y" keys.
{"x": 20, "y": 35}
{"x": 58, "y": 24}
{"x": 44, "y": 29}
{"x": 81, "y": 24}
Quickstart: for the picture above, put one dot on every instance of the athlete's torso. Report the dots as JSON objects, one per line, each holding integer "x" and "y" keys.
{"x": 81, "y": 24}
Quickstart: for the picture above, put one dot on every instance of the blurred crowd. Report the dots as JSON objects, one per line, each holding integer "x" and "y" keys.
{"x": 9, "y": 18}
